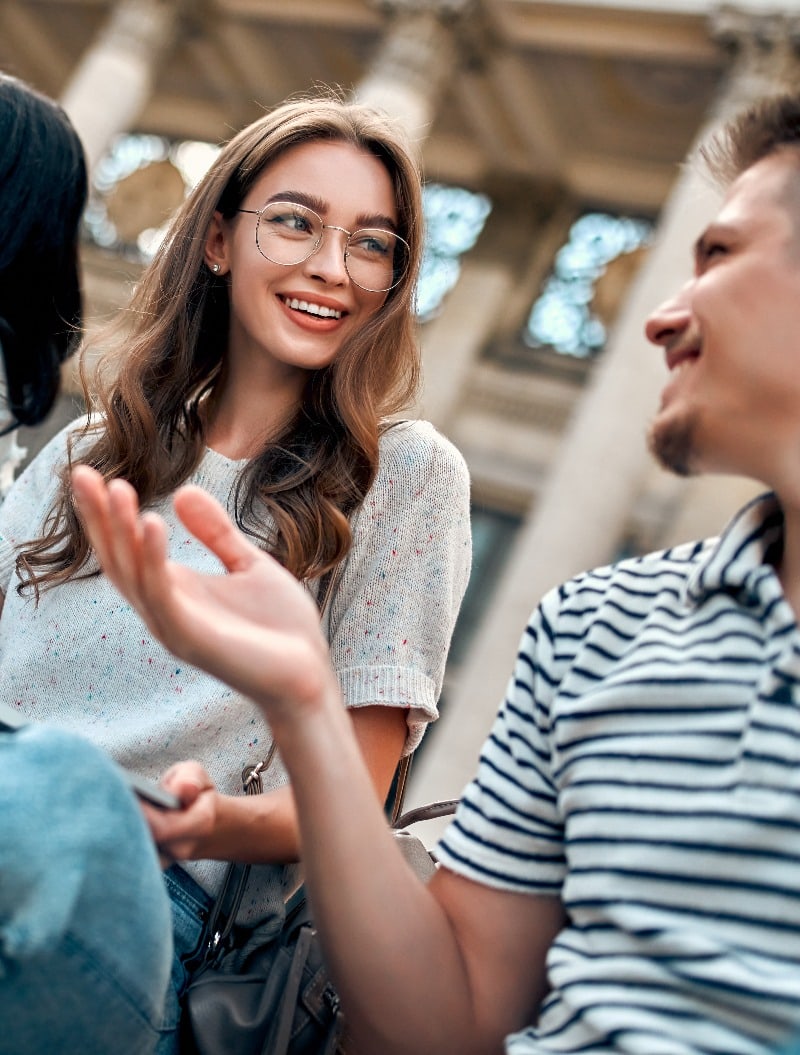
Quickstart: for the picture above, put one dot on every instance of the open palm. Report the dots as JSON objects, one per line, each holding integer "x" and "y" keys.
{"x": 255, "y": 627}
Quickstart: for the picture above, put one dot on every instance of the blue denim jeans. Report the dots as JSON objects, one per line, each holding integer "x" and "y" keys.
{"x": 190, "y": 905}
{"x": 86, "y": 947}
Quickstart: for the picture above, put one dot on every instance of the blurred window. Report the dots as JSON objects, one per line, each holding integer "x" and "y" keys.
{"x": 563, "y": 317}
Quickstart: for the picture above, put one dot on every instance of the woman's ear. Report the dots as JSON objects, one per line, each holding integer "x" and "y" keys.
{"x": 216, "y": 248}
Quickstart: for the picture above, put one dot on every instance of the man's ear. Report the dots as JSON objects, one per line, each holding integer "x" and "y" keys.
{"x": 216, "y": 248}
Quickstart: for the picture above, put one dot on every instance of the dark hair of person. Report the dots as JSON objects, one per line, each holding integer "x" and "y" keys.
{"x": 762, "y": 129}
{"x": 43, "y": 180}
{"x": 314, "y": 474}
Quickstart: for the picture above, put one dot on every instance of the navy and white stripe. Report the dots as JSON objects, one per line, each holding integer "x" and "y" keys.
{"x": 645, "y": 767}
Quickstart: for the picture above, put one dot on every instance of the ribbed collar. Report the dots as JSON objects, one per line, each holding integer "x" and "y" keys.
{"x": 744, "y": 556}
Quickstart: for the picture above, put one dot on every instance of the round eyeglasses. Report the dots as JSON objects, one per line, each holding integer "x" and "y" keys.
{"x": 288, "y": 233}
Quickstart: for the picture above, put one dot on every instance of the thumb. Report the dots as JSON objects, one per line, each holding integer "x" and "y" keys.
{"x": 187, "y": 780}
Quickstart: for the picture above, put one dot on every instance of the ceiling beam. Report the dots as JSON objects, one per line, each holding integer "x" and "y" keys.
{"x": 591, "y": 30}
{"x": 358, "y": 14}
{"x": 32, "y": 52}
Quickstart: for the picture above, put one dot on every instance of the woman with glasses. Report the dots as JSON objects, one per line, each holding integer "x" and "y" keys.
{"x": 266, "y": 354}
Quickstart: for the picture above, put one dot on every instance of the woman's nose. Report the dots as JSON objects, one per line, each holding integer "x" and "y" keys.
{"x": 328, "y": 262}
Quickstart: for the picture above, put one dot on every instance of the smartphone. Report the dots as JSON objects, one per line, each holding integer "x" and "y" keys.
{"x": 151, "y": 792}
{"x": 11, "y": 719}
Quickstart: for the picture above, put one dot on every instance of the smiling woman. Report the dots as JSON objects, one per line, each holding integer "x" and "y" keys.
{"x": 265, "y": 357}
{"x": 294, "y": 300}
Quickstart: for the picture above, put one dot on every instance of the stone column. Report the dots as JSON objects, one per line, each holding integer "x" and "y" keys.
{"x": 424, "y": 44}
{"x": 114, "y": 79}
{"x": 417, "y": 55}
{"x": 452, "y": 342}
{"x": 582, "y": 511}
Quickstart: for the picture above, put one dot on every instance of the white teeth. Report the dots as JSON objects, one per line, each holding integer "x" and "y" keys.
{"x": 314, "y": 309}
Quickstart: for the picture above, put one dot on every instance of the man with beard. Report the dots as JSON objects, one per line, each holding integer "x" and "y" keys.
{"x": 623, "y": 874}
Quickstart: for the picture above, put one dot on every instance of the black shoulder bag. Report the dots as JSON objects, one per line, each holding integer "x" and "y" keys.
{"x": 276, "y": 999}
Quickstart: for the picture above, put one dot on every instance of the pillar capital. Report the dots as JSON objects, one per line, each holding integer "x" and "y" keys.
{"x": 425, "y": 41}
{"x": 447, "y": 10}
{"x": 765, "y": 49}
{"x": 141, "y": 26}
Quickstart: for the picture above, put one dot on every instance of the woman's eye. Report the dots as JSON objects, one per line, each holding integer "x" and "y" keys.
{"x": 299, "y": 223}
{"x": 375, "y": 244}
{"x": 290, "y": 222}
{"x": 294, "y": 222}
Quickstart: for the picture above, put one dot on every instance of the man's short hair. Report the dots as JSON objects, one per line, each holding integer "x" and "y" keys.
{"x": 770, "y": 125}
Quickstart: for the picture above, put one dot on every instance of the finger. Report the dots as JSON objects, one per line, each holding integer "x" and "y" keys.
{"x": 210, "y": 524}
{"x": 157, "y": 597}
{"x": 109, "y": 514}
{"x": 187, "y": 780}
{"x": 168, "y": 827}
{"x": 92, "y": 504}
{"x": 124, "y": 540}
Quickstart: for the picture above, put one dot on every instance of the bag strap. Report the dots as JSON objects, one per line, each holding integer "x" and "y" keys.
{"x": 397, "y": 793}
{"x": 445, "y": 808}
{"x": 251, "y": 775}
{"x": 222, "y": 915}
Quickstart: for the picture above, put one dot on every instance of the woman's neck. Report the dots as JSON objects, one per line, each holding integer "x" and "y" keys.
{"x": 240, "y": 420}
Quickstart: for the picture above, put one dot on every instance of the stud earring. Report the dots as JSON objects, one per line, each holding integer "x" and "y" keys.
{"x": 215, "y": 268}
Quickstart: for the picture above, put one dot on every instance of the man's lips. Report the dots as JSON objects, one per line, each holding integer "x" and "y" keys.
{"x": 681, "y": 354}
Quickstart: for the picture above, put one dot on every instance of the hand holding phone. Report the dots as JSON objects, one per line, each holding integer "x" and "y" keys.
{"x": 152, "y": 793}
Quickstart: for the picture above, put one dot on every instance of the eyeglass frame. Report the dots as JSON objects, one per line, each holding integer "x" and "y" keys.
{"x": 323, "y": 228}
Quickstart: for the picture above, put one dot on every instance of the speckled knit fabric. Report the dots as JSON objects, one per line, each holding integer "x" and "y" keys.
{"x": 84, "y": 660}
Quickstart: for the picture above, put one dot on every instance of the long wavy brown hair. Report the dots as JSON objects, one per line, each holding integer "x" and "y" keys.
{"x": 148, "y": 428}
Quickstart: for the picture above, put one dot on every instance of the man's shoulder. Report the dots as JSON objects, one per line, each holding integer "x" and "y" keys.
{"x": 673, "y": 561}
{"x": 631, "y": 586}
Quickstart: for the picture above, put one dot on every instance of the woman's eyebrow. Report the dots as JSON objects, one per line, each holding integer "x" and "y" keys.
{"x": 322, "y": 207}
{"x": 375, "y": 220}
{"x": 299, "y": 197}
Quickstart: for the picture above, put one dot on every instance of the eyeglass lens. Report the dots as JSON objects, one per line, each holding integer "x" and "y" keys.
{"x": 288, "y": 233}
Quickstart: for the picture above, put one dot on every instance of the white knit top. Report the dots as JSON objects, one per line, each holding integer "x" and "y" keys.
{"x": 84, "y": 660}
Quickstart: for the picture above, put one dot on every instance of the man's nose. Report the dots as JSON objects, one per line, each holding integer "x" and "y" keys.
{"x": 670, "y": 318}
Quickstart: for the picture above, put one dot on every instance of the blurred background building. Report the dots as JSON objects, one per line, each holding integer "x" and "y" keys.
{"x": 560, "y": 211}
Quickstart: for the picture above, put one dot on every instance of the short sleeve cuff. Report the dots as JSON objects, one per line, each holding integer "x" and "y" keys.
{"x": 393, "y": 687}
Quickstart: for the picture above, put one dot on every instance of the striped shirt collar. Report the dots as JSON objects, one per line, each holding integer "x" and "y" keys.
{"x": 744, "y": 555}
